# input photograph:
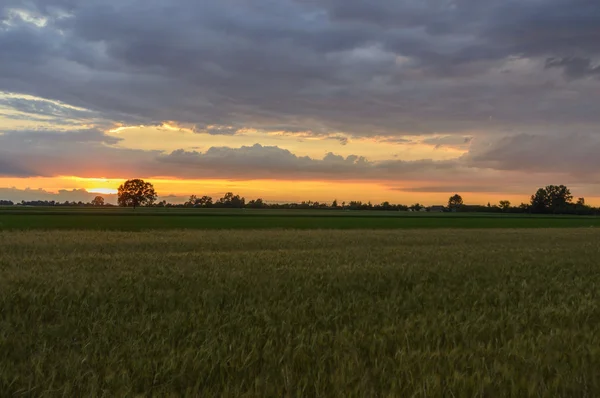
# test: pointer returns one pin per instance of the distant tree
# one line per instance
(256, 204)
(540, 203)
(6, 203)
(416, 207)
(231, 200)
(355, 205)
(581, 202)
(334, 204)
(552, 199)
(136, 192)
(205, 201)
(192, 201)
(559, 195)
(385, 206)
(455, 201)
(505, 205)
(98, 201)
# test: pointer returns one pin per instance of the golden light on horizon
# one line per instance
(177, 190)
(105, 191)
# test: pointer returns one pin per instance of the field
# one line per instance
(120, 219)
(272, 313)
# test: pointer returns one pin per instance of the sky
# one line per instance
(290, 100)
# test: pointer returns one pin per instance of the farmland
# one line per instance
(122, 219)
(442, 312)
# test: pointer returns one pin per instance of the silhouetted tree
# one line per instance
(385, 206)
(504, 205)
(136, 193)
(416, 207)
(552, 199)
(193, 200)
(205, 201)
(256, 204)
(540, 202)
(231, 200)
(455, 201)
(98, 201)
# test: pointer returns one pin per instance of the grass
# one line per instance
(300, 313)
(154, 219)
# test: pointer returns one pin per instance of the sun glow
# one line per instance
(106, 191)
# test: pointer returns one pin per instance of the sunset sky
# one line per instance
(289, 100)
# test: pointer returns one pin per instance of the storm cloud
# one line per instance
(514, 83)
(360, 67)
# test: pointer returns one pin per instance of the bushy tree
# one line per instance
(231, 200)
(504, 205)
(416, 207)
(205, 201)
(455, 201)
(551, 199)
(136, 192)
(191, 201)
(256, 204)
(98, 201)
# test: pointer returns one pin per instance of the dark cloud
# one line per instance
(574, 67)
(8, 169)
(575, 154)
(342, 140)
(262, 162)
(376, 68)
(520, 77)
(453, 141)
(216, 130)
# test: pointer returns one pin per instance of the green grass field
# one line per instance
(259, 313)
(156, 218)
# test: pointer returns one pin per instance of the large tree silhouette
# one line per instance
(455, 201)
(136, 192)
(552, 199)
(98, 201)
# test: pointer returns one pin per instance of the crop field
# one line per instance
(320, 313)
(143, 219)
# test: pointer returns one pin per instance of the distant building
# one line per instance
(437, 209)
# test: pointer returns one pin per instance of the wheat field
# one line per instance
(404, 313)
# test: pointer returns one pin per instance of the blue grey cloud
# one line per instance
(521, 77)
(367, 68)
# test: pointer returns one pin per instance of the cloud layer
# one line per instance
(510, 164)
(519, 79)
(353, 66)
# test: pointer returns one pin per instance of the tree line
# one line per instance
(552, 199)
